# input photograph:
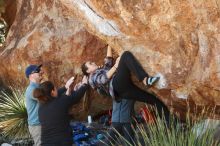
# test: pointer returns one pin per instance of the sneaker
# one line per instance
(152, 80)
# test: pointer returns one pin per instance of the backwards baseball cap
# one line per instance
(32, 69)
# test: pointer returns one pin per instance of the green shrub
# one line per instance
(191, 133)
(13, 115)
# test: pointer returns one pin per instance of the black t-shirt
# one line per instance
(55, 120)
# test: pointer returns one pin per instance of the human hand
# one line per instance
(85, 80)
(77, 86)
(109, 51)
(69, 82)
(101, 66)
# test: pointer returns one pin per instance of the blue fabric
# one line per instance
(80, 136)
(84, 136)
(32, 105)
(79, 127)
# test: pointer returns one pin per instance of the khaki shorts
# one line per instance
(35, 132)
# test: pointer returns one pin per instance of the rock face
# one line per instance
(10, 11)
(46, 32)
(176, 40)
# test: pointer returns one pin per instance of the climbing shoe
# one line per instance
(151, 80)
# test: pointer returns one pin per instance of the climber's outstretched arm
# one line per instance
(109, 51)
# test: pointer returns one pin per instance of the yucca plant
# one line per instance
(174, 134)
(13, 115)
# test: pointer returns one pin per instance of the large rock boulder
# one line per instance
(176, 40)
(46, 32)
(10, 9)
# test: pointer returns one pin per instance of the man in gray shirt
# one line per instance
(34, 74)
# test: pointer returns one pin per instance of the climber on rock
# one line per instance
(114, 80)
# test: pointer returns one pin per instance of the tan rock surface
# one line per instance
(177, 40)
(46, 32)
